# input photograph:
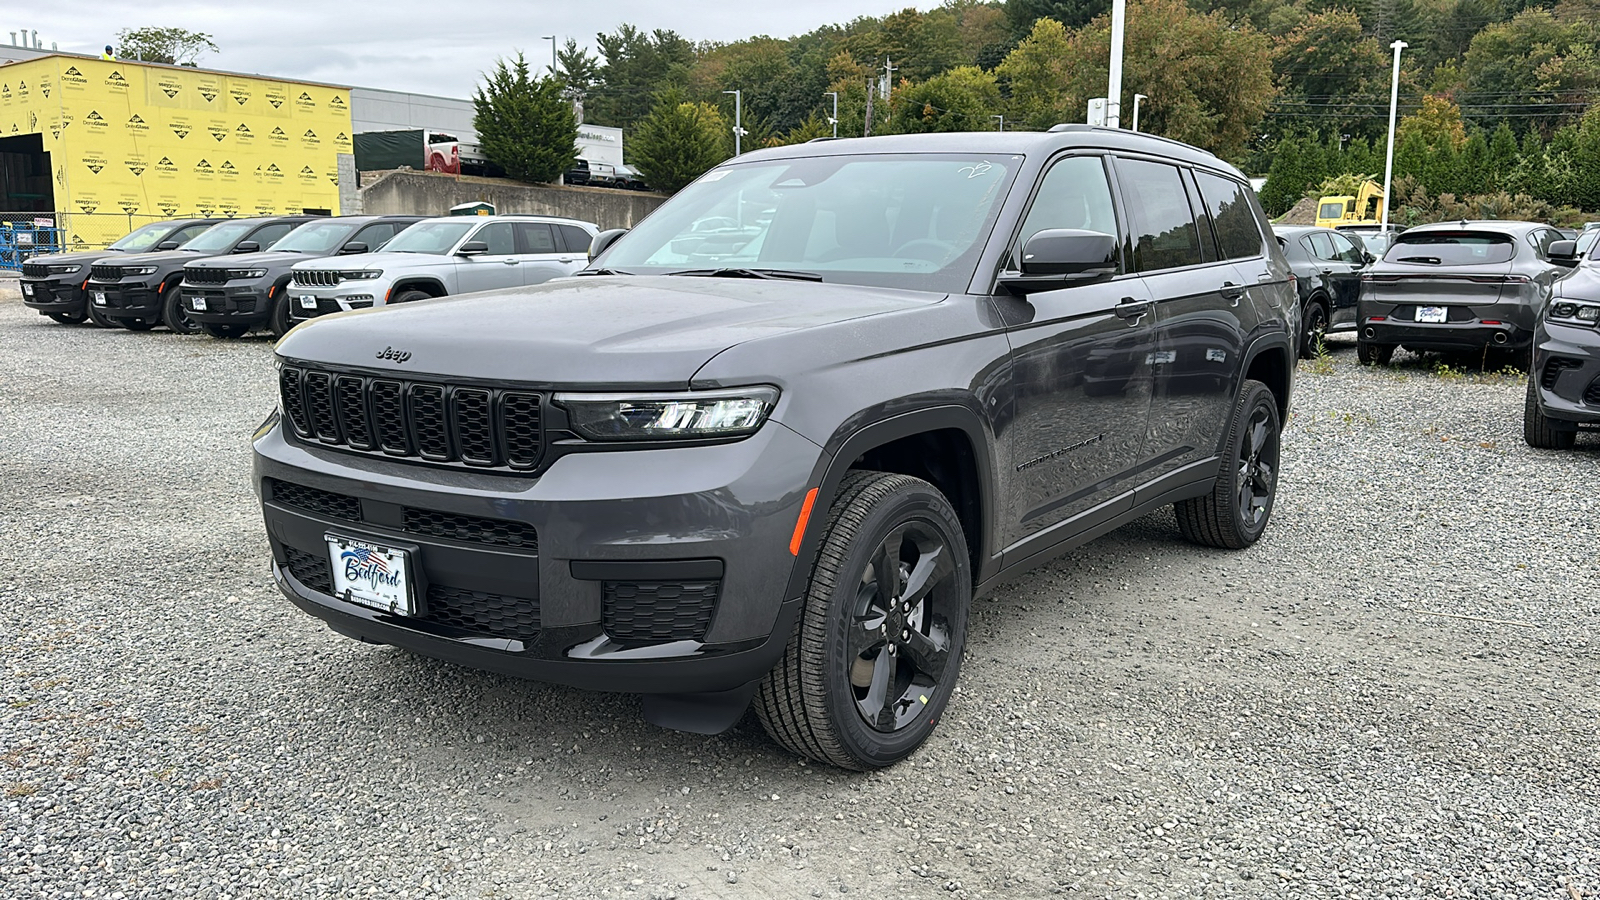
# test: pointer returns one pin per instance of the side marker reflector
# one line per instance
(800, 525)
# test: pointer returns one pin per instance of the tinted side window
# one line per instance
(1073, 194)
(536, 237)
(1164, 231)
(269, 235)
(574, 239)
(1345, 250)
(373, 235)
(499, 238)
(1237, 232)
(186, 234)
(1320, 246)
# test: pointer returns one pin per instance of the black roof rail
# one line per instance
(1101, 129)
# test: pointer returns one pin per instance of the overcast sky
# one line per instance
(427, 46)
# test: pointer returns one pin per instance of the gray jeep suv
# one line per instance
(774, 441)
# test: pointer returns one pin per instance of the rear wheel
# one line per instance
(1538, 430)
(1374, 354)
(224, 331)
(66, 318)
(1236, 511)
(1313, 325)
(173, 313)
(279, 322)
(874, 658)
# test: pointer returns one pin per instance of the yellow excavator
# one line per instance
(1364, 208)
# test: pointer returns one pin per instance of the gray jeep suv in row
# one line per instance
(774, 441)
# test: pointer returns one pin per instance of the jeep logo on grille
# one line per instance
(398, 356)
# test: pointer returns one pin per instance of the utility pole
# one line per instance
(1394, 102)
(738, 112)
(868, 131)
(834, 119)
(888, 86)
(1136, 99)
(1119, 18)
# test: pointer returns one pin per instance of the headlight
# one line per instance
(363, 275)
(62, 270)
(246, 273)
(655, 417)
(139, 270)
(1581, 313)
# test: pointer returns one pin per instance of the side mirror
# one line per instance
(473, 248)
(353, 247)
(1564, 253)
(247, 247)
(168, 245)
(1367, 258)
(603, 241)
(1056, 257)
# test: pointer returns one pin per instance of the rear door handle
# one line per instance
(511, 262)
(1231, 291)
(1133, 309)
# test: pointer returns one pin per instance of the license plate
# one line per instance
(370, 574)
(198, 304)
(308, 302)
(27, 290)
(99, 298)
(1432, 314)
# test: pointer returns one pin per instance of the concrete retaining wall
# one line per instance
(422, 194)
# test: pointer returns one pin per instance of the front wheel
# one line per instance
(224, 331)
(66, 318)
(874, 658)
(173, 313)
(139, 324)
(1235, 513)
(411, 296)
(279, 322)
(96, 317)
(1537, 429)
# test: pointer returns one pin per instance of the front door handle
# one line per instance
(1133, 309)
(511, 262)
(1231, 291)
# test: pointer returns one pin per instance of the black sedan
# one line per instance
(1327, 267)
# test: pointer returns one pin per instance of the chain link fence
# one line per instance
(28, 234)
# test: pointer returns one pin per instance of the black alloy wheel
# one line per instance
(1313, 327)
(1235, 513)
(173, 313)
(279, 322)
(1374, 354)
(224, 331)
(875, 656)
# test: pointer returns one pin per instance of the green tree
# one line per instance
(174, 46)
(1533, 71)
(1332, 73)
(1037, 72)
(637, 66)
(678, 141)
(1023, 14)
(810, 128)
(577, 68)
(524, 124)
(961, 99)
(1296, 166)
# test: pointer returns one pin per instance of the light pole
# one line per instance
(552, 39)
(1119, 20)
(1000, 122)
(738, 132)
(1136, 99)
(834, 119)
(1394, 103)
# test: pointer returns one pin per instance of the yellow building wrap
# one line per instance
(142, 141)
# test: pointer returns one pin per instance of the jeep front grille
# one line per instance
(438, 423)
(318, 278)
(35, 270)
(197, 275)
(106, 273)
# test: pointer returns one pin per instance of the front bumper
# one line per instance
(60, 294)
(310, 302)
(1566, 364)
(653, 571)
(228, 304)
(127, 299)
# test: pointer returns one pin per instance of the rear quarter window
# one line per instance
(1452, 248)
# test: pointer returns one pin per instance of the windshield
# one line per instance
(1586, 242)
(316, 237)
(902, 220)
(429, 237)
(145, 238)
(219, 237)
(1451, 248)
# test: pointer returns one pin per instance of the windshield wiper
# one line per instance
(751, 273)
(1431, 260)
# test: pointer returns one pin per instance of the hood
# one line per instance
(592, 332)
(165, 257)
(379, 260)
(1582, 283)
(263, 259)
(80, 257)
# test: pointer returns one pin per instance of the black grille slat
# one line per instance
(205, 276)
(653, 612)
(1591, 394)
(350, 393)
(474, 426)
(105, 273)
(473, 529)
(35, 270)
(319, 407)
(428, 425)
(310, 570)
(484, 613)
(316, 500)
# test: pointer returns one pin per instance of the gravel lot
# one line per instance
(1326, 714)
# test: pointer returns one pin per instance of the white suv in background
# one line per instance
(441, 257)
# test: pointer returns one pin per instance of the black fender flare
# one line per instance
(429, 285)
(1281, 340)
(852, 440)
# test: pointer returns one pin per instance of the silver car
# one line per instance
(443, 257)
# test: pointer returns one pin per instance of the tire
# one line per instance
(279, 322)
(411, 295)
(1537, 429)
(224, 331)
(1313, 325)
(816, 701)
(97, 318)
(174, 315)
(1236, 511)
(138, 324)
(68, 318)
(1374, 354)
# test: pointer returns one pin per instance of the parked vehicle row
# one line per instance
(226, 277)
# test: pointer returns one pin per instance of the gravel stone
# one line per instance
(1393, 694)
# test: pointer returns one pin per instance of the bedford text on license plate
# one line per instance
(370, 574)
(1432, 314)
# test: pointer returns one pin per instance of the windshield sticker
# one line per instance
(715, 176)
(976, 169)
